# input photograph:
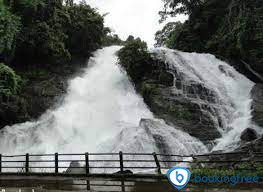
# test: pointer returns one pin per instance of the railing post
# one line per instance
(157, 163)
(0, 163)
(27, 163)
(88, 185)
(122, 185)
(87, 163)
(56, 163)
(121, 161)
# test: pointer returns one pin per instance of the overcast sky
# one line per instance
(132, 17)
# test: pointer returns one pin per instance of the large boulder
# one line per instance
(75, 168)
(249, 135)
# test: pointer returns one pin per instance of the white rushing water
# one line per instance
(231, 89)
(103, 113)
(100, 105)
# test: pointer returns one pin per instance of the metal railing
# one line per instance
(109, 163)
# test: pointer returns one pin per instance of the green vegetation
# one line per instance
(9, 28)
(85, 30)
(10, 83)
(244, 169)
(168, 34)
(42, 43)
(44, 34)
(111, 39)
(136, 60)
(231, 29)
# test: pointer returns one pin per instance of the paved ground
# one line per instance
(62, 184)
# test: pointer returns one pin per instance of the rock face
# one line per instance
(40, 93)
(257, 105)
(249, 135)
(254, 146)
(188, 113)
(154, 136)
(183, 103)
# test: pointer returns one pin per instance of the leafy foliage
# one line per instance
(167, 35)
(50, 31)
(244, 169)
(230, 29)
(44, 33)
(174, 7)
(134, 57)
(85, 30)
(112, 39)
(9, 28)
(9, 82)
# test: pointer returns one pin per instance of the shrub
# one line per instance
(136, 60)
(10, 83)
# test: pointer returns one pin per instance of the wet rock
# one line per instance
(257, 104)
(253, 146)
(40, 93)
(175, 108)
(225, 71)
(166, 78)
(249, 135)
(75, 168)
(124, 172)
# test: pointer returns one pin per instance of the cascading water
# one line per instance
(103, 113)
(100, 105)
(231, 91)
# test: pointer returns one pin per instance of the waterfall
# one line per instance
(100, 105)
(103, 112)
(229, 91)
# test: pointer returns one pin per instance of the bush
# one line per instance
(136, 60)
(10, 83)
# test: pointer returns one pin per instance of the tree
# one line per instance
(69, 2)
(174, 7)
(50, 31)
(42, 39)
(85, 30)
(171, 29)
(112, 39)
(136, 59)
(9, 28)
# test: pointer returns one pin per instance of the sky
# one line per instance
(132, 17)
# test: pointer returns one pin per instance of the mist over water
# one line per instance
(103, 113)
